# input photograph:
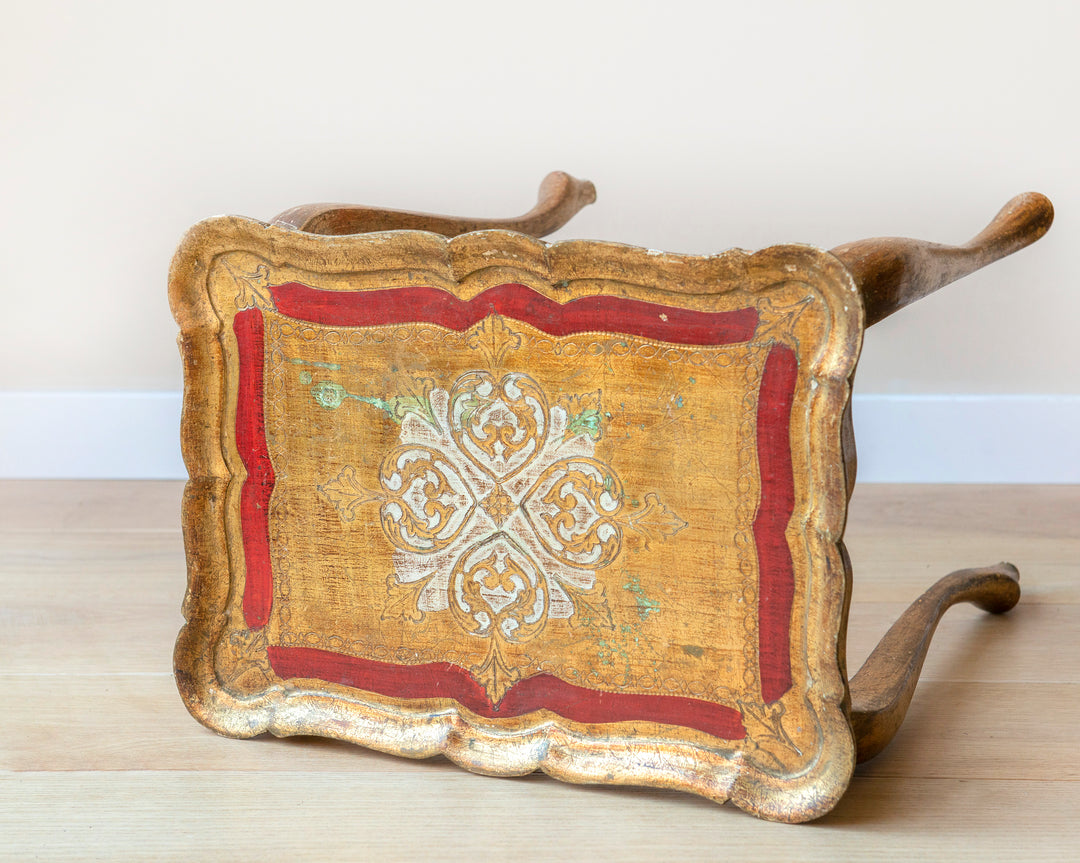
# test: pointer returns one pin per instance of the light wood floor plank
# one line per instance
(1021, 511)
(99, 759)
(48, 505)
(1032, 643)
(895, 569)
(953, 730)
(80, 603)
(134, 582)
(456, 816)
(985, 731)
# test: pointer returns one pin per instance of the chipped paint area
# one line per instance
(645, 604)
(622, 646)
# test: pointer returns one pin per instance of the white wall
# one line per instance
(704, 125)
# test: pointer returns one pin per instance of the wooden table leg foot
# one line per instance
(882, 690)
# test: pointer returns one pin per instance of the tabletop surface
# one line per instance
(100, 760)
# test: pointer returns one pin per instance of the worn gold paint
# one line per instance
(665, 431)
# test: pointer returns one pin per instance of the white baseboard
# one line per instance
(901, 438)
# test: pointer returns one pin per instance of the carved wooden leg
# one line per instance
(561, 196)
(892, 272)
(882, 690)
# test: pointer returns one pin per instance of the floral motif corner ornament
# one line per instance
(241, 662)
(499, 511)
(253, 289)
(764, 724)
(777, 321)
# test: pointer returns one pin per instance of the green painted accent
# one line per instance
(402, 405)
(296, 361)
(381, 404)
(470, 405)
(332, 395)
(693, 381)
(587, 422)
(605, 654)
(305, 378)
(616, 645)
(693, 650)
(645, 605)
(678, 401)
(629, 640)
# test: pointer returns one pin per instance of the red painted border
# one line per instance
(613, 314)
(251, 444)
(540, 692)
(776, 572)
(587, 314)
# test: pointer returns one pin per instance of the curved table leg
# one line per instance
(560, 197)
(882, 690)
(891, 272)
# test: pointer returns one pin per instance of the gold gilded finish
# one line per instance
(577, 532)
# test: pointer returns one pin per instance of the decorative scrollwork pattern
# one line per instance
(495, 501)
(426, 503)
(573, 507)
(500, 425)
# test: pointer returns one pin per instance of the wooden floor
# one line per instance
(100, 760)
